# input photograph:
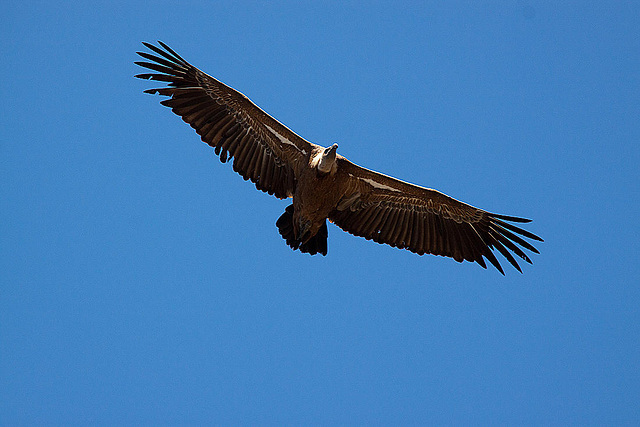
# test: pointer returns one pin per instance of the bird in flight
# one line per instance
(325, 185)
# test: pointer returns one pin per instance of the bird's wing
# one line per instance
(263, 149)
(422, 220)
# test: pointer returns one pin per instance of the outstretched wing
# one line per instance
(263, 149)
(425, 221)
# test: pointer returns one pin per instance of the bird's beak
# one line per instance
(332, 151)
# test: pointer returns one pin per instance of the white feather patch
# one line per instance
(284, 140)
(378, 185)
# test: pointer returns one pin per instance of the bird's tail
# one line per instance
(317, 244)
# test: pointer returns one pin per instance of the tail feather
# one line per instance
(317, 244)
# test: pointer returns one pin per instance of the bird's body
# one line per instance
(323, 184)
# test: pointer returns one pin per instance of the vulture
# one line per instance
(325, 185)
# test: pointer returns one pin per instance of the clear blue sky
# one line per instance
(144, 282)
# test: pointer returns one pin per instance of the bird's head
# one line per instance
(327, 159)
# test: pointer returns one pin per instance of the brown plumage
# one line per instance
(325, 185)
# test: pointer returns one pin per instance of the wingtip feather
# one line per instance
(493, 260)
(510, 218)
(171, 51)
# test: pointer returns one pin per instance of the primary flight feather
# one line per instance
(323, 184)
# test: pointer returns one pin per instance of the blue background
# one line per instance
(144, 282)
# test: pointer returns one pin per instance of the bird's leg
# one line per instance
(304, 228)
